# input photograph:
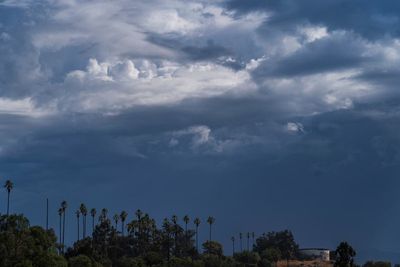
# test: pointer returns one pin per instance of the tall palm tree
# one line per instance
(197, 223)
(60, 212)
(174, 220)
(64, 206)
(116, 219)
(241, 244)
(78, 213)
(210, 221)
(123, 217)
(8, 186)
(103, 214)
(253, 237)
(139, 215)
(93, 214)
(83, 211)
(233, 245)
(186, 219)
(248, 241)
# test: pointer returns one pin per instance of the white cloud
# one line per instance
(114, 86)
(294, 127)
(23, 107)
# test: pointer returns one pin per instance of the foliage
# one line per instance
(282, 241)
(80, 261)
(248, 258)
(344, 255)
(22, 245)
(377, 264)
(213, 248)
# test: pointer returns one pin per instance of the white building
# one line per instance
(315, 253)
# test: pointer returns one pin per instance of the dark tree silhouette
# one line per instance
(8, 186)
(60, 212)
(248, 241)
(123, 217)
(64, 206)
(116, 219)
(233, 245)
(83, 211)
(78, 213)
(241, 244)
(93, 214)
(344, 255)
(197, 223)
(210, 221)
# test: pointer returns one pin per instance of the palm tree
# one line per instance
(210, 221)
(64, 206)
(123, 216)
(83, 211)
(78, 213)
(197, 223)
(103, 215)
(174, 220)
(248, 241)
(8, 186)
(93, 214)
(116, 219)
(233, 245)
(241, 246)
(253, 236)
(60, 212)
(186, 220)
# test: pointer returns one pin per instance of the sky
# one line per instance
(265, 114)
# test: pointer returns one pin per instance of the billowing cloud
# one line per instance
(246, 96)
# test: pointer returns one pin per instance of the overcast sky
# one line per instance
(265, 114)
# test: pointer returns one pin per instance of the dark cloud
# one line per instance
(336, 52)
(370, 19)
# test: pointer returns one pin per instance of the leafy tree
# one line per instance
(377, 264)
(344, 255)
(23, 245)
(271, 254)
(213, 247)
(282, 241)
(247, 258)
(80, 261)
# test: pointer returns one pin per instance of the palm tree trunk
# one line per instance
(92, 225)
(77, 219)
(83, 226)
(8, 203)
(210, 232)
(47, 214)
(197, 239)
(60, 236)
(63, 235)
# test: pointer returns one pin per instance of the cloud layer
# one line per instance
(230, 99)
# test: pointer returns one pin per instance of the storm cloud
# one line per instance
(264, 114)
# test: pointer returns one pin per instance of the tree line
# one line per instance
(113, 241)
